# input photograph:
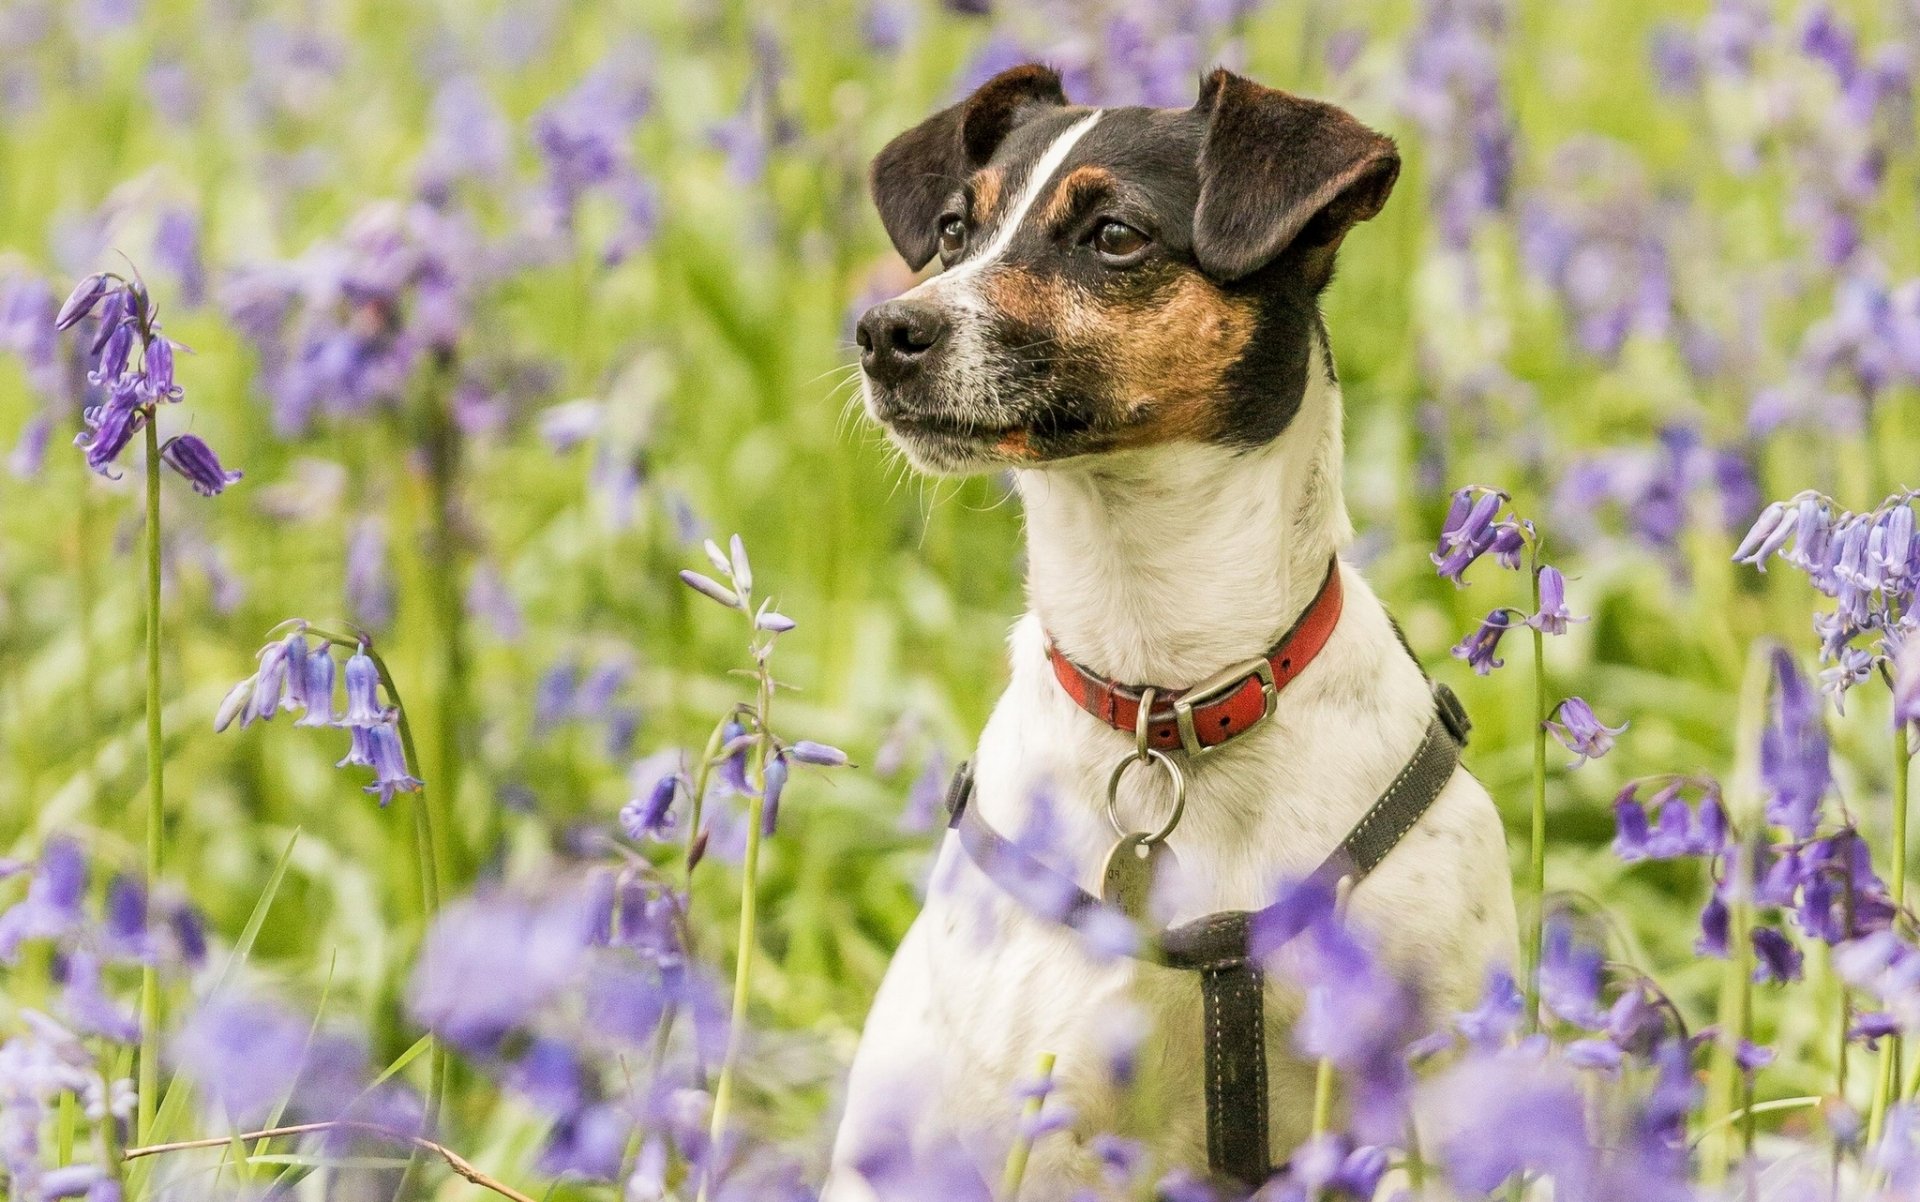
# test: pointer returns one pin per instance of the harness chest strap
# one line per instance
(1221, 947)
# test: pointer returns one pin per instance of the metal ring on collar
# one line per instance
(1179, 779)
(1142, 721)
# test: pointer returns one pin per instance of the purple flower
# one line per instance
(389, 763)
(774, 783)
(1479, 648)
(176, 247)
(1580, 732)
(591, 1143)
(1554, 615)
(193, 458)
(359, 748)
(1715, 929)
(84, 997)
(1570, 977)
(246, 1057)
(363, 693)
(651, 815)
(709, 587)
(369, 590)
(1769, 533)
(809, 752)
(313, 689)
(159, 384)
(110, 427)
(1906, 682)
(1793, 751)
(527, 951)
(1776, 958)
(1468, 531)
(1507, 1113)
(86, 294)
(52, 906)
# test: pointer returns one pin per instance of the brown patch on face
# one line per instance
(1155, 363)
(986, 195)
(1016, 444)
(1068, 193)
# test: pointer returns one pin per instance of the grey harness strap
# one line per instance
(1221, 947)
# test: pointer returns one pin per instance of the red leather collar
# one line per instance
(1219, 708)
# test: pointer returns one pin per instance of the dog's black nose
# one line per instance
(895, 337)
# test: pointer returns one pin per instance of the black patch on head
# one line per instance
(913, 177)
(1281, 172)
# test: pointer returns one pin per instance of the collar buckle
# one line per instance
(1221, 685)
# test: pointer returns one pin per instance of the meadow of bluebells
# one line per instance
(525, 867)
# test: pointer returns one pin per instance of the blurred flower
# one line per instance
(527, 949)
(1793, 751)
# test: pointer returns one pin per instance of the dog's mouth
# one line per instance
(940, 427)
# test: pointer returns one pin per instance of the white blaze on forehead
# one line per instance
(1043, 171)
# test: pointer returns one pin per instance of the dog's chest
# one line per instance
(1008, 984)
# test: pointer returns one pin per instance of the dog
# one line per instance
(1127, 321)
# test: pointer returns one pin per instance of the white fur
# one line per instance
(1162, 566)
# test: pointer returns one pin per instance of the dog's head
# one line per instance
(1113, 278)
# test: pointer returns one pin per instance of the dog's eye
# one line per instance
(953, 236)
(1118, 242)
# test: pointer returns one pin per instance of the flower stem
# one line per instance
(427, 851)
(743, 965)
(1537, 848)
(701, 775)
(1732, 1017)
(1895, 1047)
(1022, 1149)
(149, 1084)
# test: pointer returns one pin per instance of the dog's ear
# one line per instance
(1278, 170)
(917, 171)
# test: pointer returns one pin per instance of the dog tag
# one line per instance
(1126, 883)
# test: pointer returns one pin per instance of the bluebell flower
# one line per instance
(313, 689)
(1507, 1113)
(53, 905)
(86, 294)
(363, 692)
(269, 681)
(110, 427)
(527, 949)
(1571, 974)
(251, 1057)
(1580, 732)
(125, 930)
(591, 1143)
(1554, 615)
(1776, 958)
(389, 764)
(809, 752)
(193, 458)
(84, 999)
(773, 784)
(1715, 929)
(650, 815)
(1468, 531)
(359, 748)
(1479, 648)
(1794, 763)
(369, 585)
(709, 587)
